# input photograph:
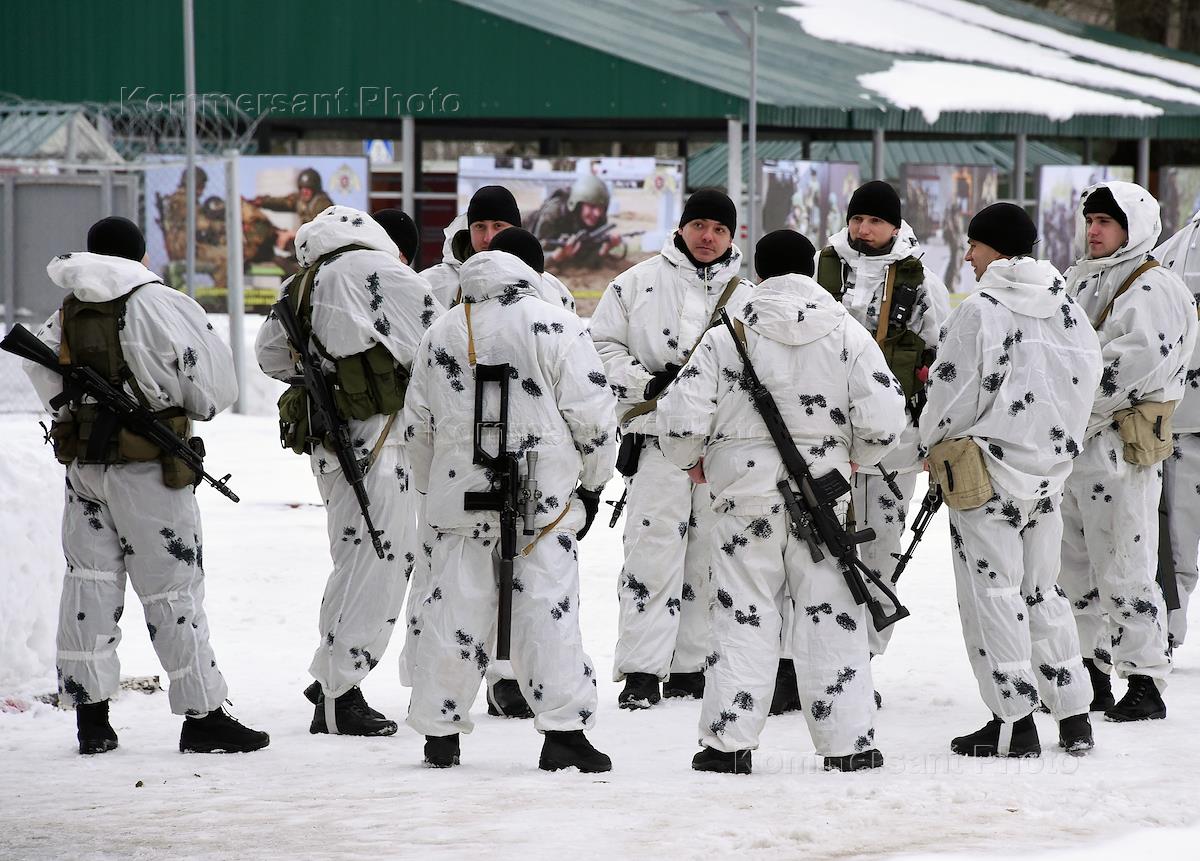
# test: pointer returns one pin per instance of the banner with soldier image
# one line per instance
(939, 201)
(809, 197)
(1179, 194)
(1059, 188)
(595, 217)
(277, 195)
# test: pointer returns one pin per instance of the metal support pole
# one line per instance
(752, 222)
(877, 154)
(408, 165)
(106, 194)
(733, 184)
(1143, 163)
(1089, 151)
(189, 99)
(9, 246)
(235, 295)
(1017, 184)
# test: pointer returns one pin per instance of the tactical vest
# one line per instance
(91, 337)
(364, 384)
(902, 348)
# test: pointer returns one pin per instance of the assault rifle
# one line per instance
(929, 506)
(509, 495)
(812, 510)
(116, 407)
(628, 456)
(325, 423)
(588, 238)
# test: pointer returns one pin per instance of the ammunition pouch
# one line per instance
(64, 437)
(1145, 429)
(958, 467)
(294, 417)
(368, 384)
(91, 436)
(903, 351)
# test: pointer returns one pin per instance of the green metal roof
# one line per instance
(710, 166)
(562, 61)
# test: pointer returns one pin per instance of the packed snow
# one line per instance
(328, 797)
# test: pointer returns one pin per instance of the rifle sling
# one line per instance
(545, 530)
(652, 404)
(1125, 285)
(885, 307)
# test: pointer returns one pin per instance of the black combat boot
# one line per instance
(95, 733)
(986, 741)
(1075, 734)
(709, 759)
(1102, 695)
(684, 685)
(351, 714)
(1141, 702)
(441, 751)
(787, 693)
(219, 732)
(505, 699)
(860, 761)
(571, 749)
(641, 691)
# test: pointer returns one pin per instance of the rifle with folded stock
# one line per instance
(117, 408)
(811, 502)
(929, 506)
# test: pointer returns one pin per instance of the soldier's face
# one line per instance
(706, 239)
(590, 214)
(980, 256)
(872, 230)
(1104, 235)
(306, 194)
(483, 232)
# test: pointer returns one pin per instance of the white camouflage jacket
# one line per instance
(1180, 255)
(826, 374)
(359, 299)
(1150, 334)
(1017, 370)
(560, 404)
(653, 314)
(167, 341)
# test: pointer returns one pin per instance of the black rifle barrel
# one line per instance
(80, 380)
(929, 506)
(326, 419)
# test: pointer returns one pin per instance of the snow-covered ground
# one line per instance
(327, 797)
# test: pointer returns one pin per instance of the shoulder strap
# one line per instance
(301, 297)
(470, 335)
(1125, 285)
(885, 306)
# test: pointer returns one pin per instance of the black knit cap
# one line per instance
(710, 203)
(1005, 227)
(493, 203)
(520, 244)
(116, 237)
(402, 230)
(784, 252)
(1102, 202)
(875, 198)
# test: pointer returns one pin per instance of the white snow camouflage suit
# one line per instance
(999, 380)
(1110, 507)
(561, 407)
(875, 505)
(1181, 471)
(120, 520)
(650, 315)
(359, 298)
(842, 404)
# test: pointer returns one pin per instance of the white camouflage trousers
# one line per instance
(664, 591)
(1110, 557)
(1017, 624)
(875, 506)
(121, 521)
(754, 560)
(364, 593)
(1181, 483)
(450, 644)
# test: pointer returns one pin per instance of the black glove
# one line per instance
(660, 380)
(591, 504)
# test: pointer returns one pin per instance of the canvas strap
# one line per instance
(1125, 285)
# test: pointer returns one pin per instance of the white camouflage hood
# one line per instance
(97, 277)
(1141, 211)
(1029, 287)
(337, 227)
(791, 309)
(906, 245)
(452, 230)
(490, 274)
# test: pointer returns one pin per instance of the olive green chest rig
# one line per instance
(902, 348)
(364, 384)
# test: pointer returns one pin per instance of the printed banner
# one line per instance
(1059, 188)
(939, 201)
(809, 197)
